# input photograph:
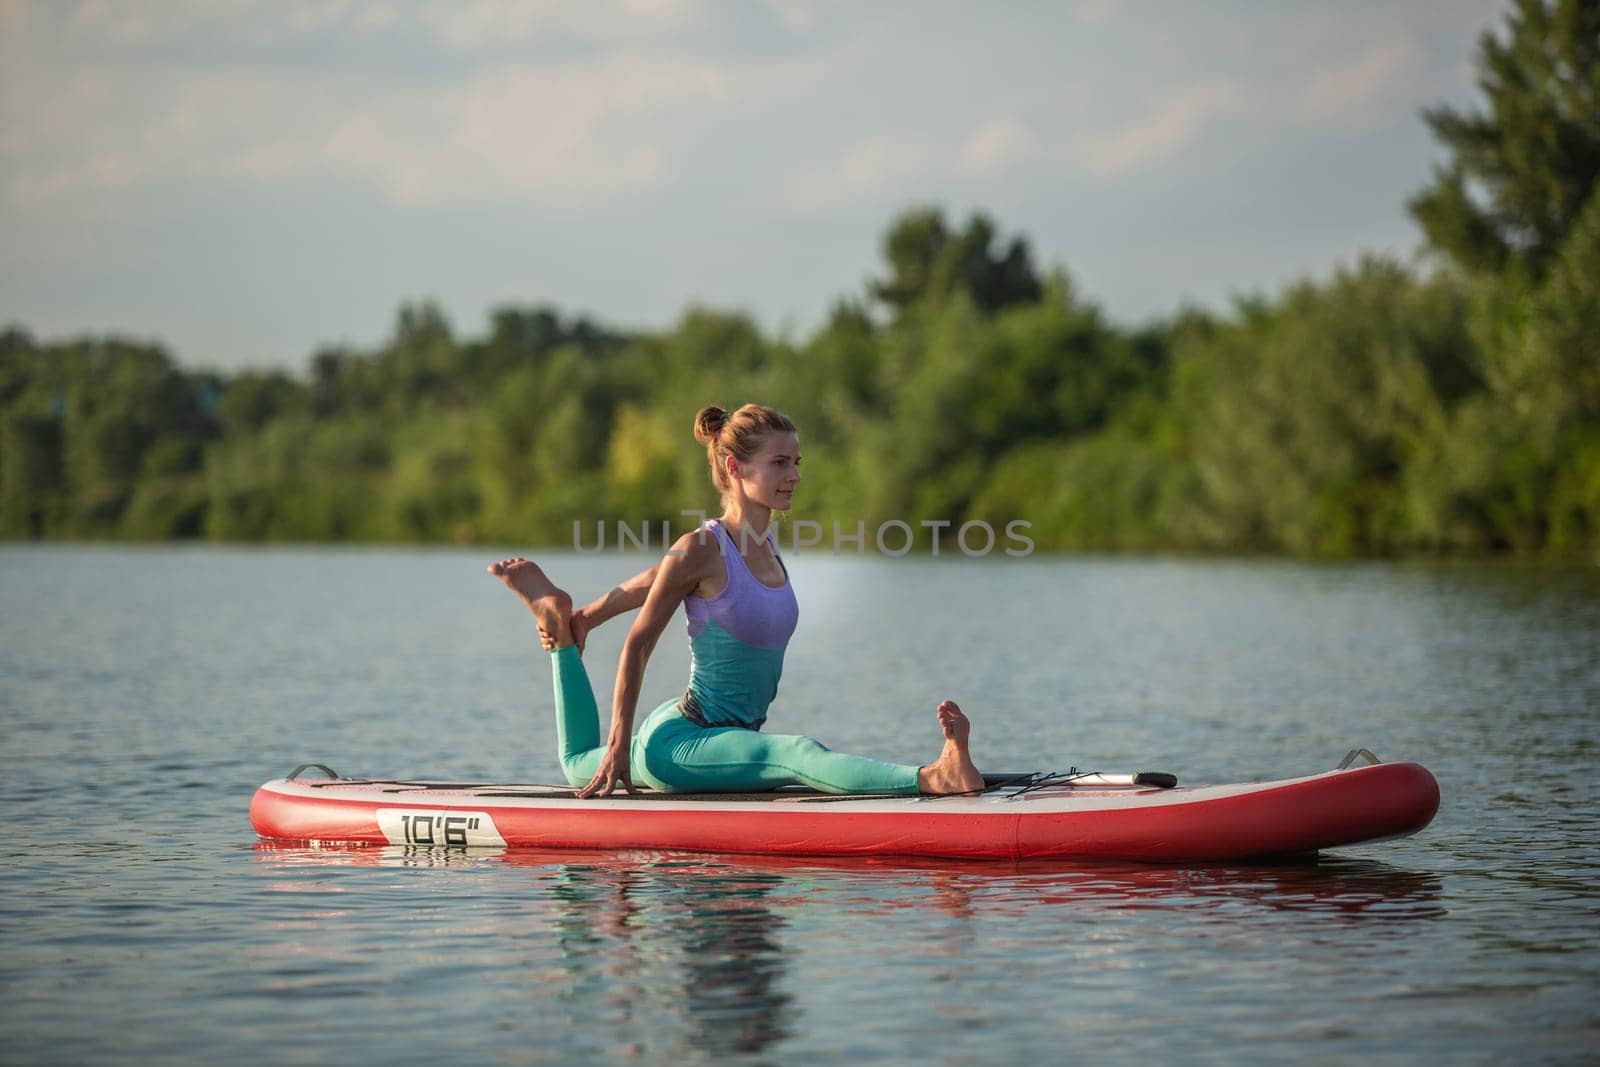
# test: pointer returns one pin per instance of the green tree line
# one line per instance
(1386, 409)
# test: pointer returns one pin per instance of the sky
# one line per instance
(246, 182)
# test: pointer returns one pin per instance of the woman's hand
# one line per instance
(580, 632)
(613, 770)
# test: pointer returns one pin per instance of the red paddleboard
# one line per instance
(1029, 818)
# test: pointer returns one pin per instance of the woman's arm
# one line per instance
(629, 595)
(625, 597)
(691, 562)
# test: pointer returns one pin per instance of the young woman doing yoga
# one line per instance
(741, 610)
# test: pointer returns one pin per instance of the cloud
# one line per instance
(874, 167)
(509, 132)
(797, 16)
(573, 129)
(88, 132)
(997, 145)
(14, 18)
(480, 23)
(1352, 92)
(493, 25)
(877, 161)
(308, 18)
(106, 170)
(656, 9)
(129, 24)
(1096, 13)
(1156, 139)
(1349, 94)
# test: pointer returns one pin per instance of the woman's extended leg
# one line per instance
(684, 758)
(577, 714)
(680, 756)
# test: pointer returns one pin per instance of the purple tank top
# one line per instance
(747, 609)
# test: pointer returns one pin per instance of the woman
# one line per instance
(742, 611)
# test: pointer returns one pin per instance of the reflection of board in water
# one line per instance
(1019, 820)
(1331, 886)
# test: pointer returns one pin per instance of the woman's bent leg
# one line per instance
(682, 757)
(577, 717)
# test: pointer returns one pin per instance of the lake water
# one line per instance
(146, 692)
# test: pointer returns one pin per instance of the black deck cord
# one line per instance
(1037, 780)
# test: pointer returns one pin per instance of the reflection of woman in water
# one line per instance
(679, 948)
(741, 610)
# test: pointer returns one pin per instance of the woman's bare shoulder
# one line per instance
(697, 548)
(697, 555)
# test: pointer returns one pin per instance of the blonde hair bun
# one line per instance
(708, 423)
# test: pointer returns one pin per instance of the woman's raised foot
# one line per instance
(551, 606)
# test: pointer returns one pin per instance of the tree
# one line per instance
(1305, 412)
(30, 473)
(927, 261)
(1522, 171)
(255, 398)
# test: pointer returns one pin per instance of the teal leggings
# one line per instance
(672, 754)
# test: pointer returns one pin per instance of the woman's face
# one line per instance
(769, 476)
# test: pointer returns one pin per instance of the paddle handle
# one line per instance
(1155, 779)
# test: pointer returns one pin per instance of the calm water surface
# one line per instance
(145, 693)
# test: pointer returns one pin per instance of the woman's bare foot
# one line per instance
(953, 771)
(551, 606)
